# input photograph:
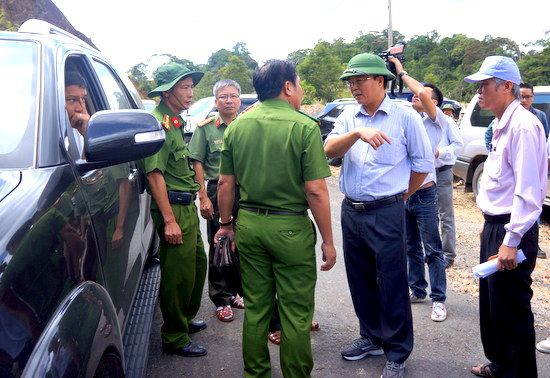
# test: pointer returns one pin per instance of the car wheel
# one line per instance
(476, 178)
(109, 366)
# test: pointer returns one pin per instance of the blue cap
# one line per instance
(501, 67)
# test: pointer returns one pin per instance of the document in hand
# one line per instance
(489, 267)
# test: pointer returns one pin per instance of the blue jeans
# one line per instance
(422, 231)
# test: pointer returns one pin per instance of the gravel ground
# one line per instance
(468, 224)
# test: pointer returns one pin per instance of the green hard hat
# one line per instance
(366, 64)
(167, 75)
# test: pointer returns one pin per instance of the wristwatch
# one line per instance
(225, 223)
(402, 73)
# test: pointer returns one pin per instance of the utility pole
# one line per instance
(390, 30)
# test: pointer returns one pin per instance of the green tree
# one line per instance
(235, 68)
(242, 52)
(5, 23)
(535, 67)
(218, 59)
(138, 76)
(322, 70)
(238, 70)
(297, 56)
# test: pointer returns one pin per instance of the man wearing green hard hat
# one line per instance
(386, 157)
(171, 182)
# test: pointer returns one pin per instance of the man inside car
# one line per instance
(75, 100)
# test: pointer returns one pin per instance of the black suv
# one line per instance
(77, 296)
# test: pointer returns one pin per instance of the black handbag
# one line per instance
(223, 255)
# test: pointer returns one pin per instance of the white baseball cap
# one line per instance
(501, 67)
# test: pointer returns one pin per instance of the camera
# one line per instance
(397, 51)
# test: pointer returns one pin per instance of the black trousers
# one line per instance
(223, 283)
(506, 320)
(376, 267)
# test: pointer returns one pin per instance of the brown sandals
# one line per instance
(275, 336)
(483, 370)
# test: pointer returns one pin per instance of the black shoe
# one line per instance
(541, 254)
(196, 326)
(189, 350)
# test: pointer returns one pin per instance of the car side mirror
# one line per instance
(119, 136)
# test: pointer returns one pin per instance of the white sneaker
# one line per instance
(439, 312)
(544, 346)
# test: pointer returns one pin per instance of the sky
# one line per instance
(130, 32)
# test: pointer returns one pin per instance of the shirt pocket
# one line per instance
(388, 154)
(215, 145)
(493, 166)
(180, 166)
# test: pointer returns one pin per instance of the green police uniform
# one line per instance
(183, 266)
(205, 146)
(272, 150)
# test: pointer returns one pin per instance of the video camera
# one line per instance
(397, 51)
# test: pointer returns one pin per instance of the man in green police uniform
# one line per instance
(172, 185)
(224, 284)
(276, 155)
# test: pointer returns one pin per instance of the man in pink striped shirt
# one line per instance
(512, 189)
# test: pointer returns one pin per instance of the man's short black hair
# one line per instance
(527, 85)
(269, 79)
(437, 92)
(73, 77)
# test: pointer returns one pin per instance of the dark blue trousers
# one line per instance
(505, 316)
(376, 266)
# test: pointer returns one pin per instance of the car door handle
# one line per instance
(132, 176)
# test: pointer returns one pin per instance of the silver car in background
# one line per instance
(473, 125)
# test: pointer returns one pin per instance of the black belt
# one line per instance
(176, 197)
(501, 218)
(259, 211)
(370, 205)
(444, 168)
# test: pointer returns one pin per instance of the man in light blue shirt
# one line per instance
(387, 157)
(423, 240)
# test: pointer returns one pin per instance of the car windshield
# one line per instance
(18, 73)
(203, 106)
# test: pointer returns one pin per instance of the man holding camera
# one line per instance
(423, 240)
(387, 157)
(171, 182)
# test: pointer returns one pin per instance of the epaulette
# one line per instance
(310, 117)
(206, 121)
(250, 107)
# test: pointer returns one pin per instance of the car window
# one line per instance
(113, 88)
(542, 102)
(203, 106)
(19, 77)
(336, 111)
(481, 117)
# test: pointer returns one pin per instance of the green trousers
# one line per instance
(277, 255)
(183, 270)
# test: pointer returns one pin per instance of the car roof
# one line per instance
(45, 32)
